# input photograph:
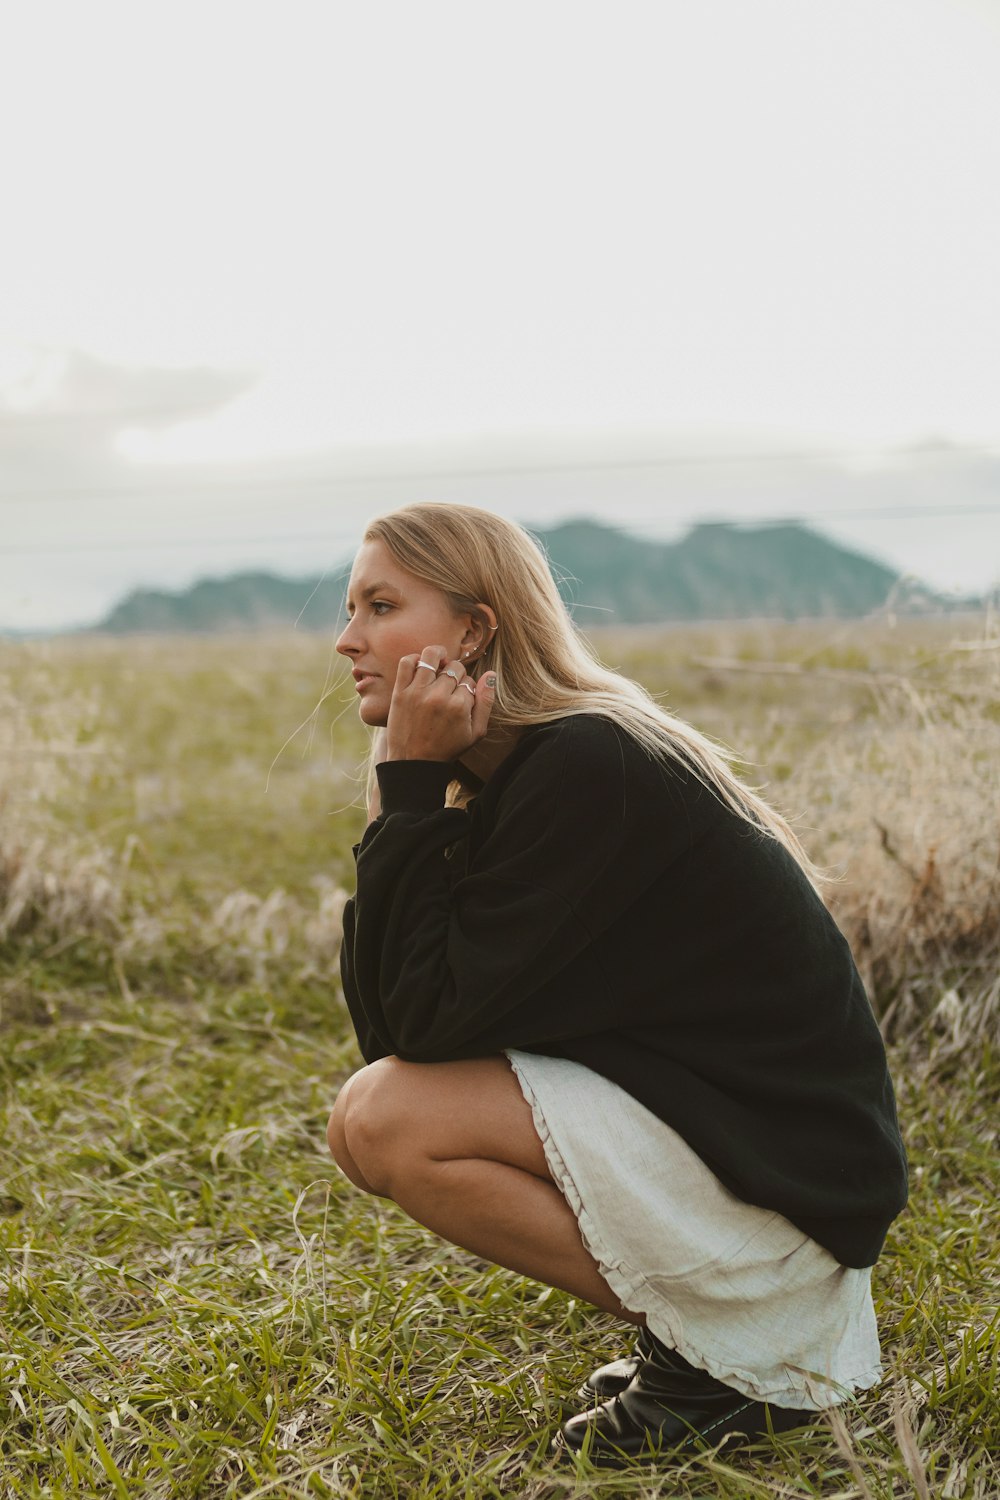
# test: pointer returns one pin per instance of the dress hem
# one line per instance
(631, 1288)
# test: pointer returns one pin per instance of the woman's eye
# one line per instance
(379, 606)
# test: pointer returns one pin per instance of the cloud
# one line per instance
(121, 394)
(58, 406)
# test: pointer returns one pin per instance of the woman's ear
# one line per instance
(490, 619)
(479, 635)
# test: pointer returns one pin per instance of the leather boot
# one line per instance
(612, 1378)
(667, 1408)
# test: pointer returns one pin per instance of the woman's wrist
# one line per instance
(413, 785)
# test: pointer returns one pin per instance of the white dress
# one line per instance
(736, 1289)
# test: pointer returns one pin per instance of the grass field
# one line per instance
(193, 1301)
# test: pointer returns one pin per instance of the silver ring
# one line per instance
(427, 666)
(449, 673)
(469, 688)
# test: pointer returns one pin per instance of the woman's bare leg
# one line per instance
(336, 1140)
(455, 1146)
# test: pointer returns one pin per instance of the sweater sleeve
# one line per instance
(443, 948)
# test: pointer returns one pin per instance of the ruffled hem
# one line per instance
(634, 1291)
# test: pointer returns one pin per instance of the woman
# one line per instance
(614, 1041)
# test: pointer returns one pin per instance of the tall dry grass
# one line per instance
(121, 785)
(905, 797)
(193, 1303)
(117, 788)
(55, 878)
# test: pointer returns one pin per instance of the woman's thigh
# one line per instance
(393, 1110)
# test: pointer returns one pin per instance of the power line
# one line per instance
(194, 486)
(161, 544)
(633, 524)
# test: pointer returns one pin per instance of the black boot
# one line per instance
(612, 1378)
(670, 1406)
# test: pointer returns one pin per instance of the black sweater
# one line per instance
(597, 904)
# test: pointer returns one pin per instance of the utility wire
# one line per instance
(192, 485)
(637, 526)
(175, 544)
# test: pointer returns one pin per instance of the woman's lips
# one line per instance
(364, 679)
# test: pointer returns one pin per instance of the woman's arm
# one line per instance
(447, 951)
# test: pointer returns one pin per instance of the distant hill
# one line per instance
(718, 571)
(254, 601)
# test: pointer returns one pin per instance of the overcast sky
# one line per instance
(271, 268)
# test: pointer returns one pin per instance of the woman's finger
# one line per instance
(431, 657)
(421, 669)
(406, 669)
(486, 692)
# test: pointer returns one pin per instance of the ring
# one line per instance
(428, 666)
(469, 688)
(449, 673)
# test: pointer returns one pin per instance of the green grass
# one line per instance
(193, 1301)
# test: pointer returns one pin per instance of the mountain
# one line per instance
(243, 601)
(718, 571)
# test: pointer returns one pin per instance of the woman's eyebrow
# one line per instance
(372, 589)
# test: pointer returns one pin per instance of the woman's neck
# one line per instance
(484, 758)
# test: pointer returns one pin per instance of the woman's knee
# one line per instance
(336, 1134)
(370, 1128)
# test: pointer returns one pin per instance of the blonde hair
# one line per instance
(545, 669)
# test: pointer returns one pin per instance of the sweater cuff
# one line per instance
(416, 786)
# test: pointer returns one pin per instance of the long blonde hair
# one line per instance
(545, 668)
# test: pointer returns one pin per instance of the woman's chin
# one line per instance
(372, 714)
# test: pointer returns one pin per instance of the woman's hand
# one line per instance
(437, 711)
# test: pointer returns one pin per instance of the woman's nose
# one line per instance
(345, 642)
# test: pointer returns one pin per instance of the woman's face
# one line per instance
(392, 614)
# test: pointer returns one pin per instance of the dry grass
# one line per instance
(906, 802)
(52, 754)
(194, 1303)
(152, 813)
(883, 743)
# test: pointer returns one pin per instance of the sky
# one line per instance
(270, 269)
